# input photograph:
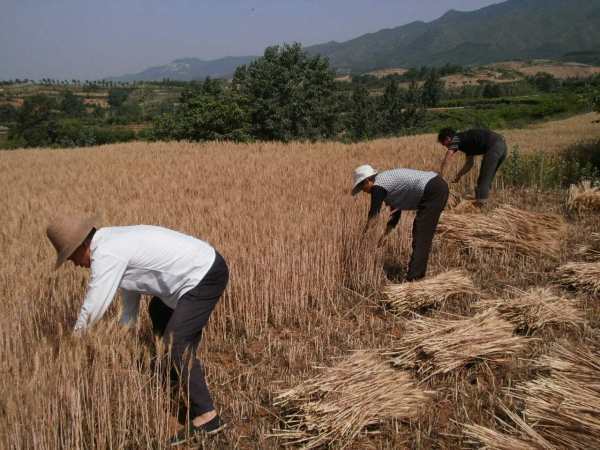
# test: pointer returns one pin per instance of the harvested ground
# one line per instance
(556, 69)
(503, 72)
(385, 72)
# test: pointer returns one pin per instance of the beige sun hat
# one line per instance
(67, 232)
(361, 173)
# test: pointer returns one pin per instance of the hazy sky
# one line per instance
(87, 39)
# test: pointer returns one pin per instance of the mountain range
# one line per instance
(514, 29)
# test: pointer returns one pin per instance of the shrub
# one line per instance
(204, 116)
(552, 171)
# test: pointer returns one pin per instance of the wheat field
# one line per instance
(304, 290)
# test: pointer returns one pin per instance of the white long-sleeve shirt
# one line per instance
(141, 259)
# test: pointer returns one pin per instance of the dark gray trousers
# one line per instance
(490, 163)
(182, 329)
(428, 214)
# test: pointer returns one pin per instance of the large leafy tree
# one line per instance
(116, 97)
(72, 105)
(362, 118)
(400, 109)
(209, 111)
(392, 108)
(433, 89)
(289, 95)
(8, 114)
(36, 121)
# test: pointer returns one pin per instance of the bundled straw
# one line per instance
(564, 407)
(454, 198)
(527, 233)
(494, 439)
(584, 276)
(564, 411)
(418, 295)
(339, 403)
(459, 205)
(466, 207)
(591, 250)
(536, 309)
(584, 197)
(435, 346)
(580, 365)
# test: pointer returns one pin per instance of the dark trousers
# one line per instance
(490, 163)
(182, 329)
(428, 214)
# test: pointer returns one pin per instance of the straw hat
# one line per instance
(67, 232)
(360, 174)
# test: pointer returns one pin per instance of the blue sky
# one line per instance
(87, 39)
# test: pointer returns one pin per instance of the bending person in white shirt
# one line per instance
(185, 275)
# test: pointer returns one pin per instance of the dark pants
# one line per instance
(182, 329)
(490, 163)
(428, 214)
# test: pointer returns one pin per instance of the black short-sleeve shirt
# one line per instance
(474, 142)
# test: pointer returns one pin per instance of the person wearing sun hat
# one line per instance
(185, 276)
(405, 189)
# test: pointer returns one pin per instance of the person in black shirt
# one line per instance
(472, 143)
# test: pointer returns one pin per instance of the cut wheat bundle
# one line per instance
(584, 197)
(434, 291)
(454, 199)
(517, 436)
(536, 309)
(459, 205)
(504, 228)
(433, 346)
(335, 406)
(564, 411)
(466, 207)
(583, 276)
(497, 440)
(587, 252)
(580, 364)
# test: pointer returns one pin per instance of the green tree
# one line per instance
(433, 89)
(362, 119)
(289, 95)
(36, 121)
(400, 109)
(492, 90)
(72, 105)
(414, 112)
(211, 112)
(8, 114)
(392, 108)
(545, 82)
(116, 97)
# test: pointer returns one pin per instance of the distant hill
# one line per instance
(515, 29)
(187, 69)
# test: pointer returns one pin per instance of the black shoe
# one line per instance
(192, 432)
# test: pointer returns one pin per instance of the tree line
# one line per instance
(66, 121)
(284, 95)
